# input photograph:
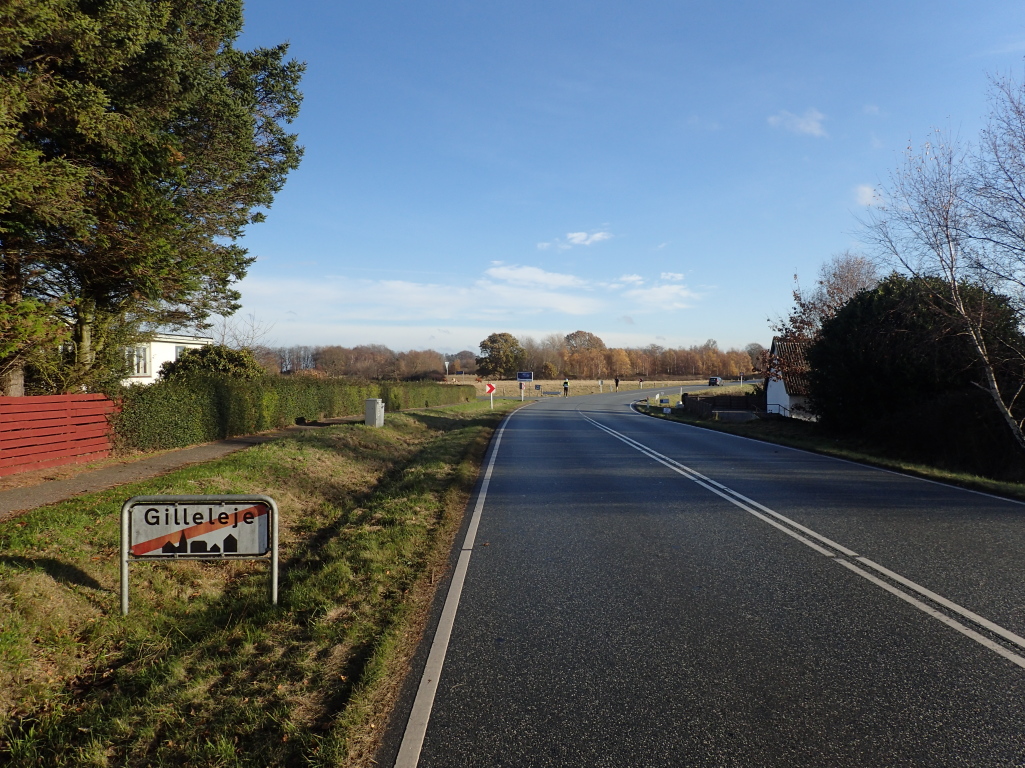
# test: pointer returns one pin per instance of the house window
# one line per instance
(178, 351)
(138, 360)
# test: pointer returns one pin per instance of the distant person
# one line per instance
(617, 383)
(565, 387)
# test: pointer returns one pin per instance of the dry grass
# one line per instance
(576, 386)
(204, 671)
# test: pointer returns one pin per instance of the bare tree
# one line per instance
(839, 279)
(930, 225)
(240, 332)
(998, 203)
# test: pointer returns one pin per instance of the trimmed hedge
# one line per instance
(176, 414)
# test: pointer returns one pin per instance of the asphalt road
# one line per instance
(643, 593)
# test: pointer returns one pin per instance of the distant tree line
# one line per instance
(365, 361)
(580, 355)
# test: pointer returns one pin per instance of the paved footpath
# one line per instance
(17, 500)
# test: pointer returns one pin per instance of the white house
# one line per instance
(786, 387)
(146, 357)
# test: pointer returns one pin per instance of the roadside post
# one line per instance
(490, 390)
(222, 527)
(601, 383)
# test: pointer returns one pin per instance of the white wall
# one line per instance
(162, 348)
(776, 398)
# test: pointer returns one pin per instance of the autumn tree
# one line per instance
(500, 355)
(617, 362)
(420, 364)
(581, 340)
(464, 361)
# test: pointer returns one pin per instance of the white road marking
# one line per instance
(995, 647)
(974, 617)
(416, 726)
(750, 506)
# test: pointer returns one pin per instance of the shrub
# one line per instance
(215, 358)
(184, 411)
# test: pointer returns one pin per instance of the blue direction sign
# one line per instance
(524, 376)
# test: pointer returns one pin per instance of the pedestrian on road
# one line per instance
(565, 387)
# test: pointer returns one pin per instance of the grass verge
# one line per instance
(810, 437)
(203, 671)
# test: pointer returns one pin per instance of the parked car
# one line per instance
(715, 381)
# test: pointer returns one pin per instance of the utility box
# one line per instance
(375, 412)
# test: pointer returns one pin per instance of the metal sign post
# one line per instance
(524, 377)
(228, 527)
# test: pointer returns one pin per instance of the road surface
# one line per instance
(644, 593)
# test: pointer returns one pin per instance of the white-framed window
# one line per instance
(138, 360)
(178, 351)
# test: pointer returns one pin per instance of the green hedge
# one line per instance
(175, 414)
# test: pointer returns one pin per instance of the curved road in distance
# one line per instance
(644, 593)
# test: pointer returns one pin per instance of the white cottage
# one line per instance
(786, 387)
(146, 357)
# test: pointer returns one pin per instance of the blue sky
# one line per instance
(652, 172)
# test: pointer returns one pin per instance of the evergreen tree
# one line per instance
(157, 143)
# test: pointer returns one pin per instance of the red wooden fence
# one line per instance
(37, 432)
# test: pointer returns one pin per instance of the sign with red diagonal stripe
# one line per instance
(212, 529)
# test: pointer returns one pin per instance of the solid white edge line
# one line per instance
(715, 487)
(974, 617)
(953, 623)
(423, 703)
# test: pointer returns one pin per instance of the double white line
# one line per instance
(848, 558)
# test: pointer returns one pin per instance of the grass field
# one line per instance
(203, 671)
(576, 386)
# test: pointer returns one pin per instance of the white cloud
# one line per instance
(663, 297)
(329, 309)
(575, 238)
(809, 124)
(865, 194)
(582, 238)
(534, 276)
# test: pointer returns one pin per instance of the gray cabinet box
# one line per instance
(375, 412)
